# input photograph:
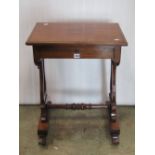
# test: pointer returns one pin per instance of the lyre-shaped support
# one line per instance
(43, 121)
(112, 107)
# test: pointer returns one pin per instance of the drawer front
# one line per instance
(74, 52)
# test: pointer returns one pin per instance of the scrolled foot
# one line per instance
(42, 132)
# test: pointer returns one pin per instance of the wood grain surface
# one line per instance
(77, 33)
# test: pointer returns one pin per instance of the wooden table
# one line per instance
(77, 41)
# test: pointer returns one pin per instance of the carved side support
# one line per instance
(43, 121)
(113, 115)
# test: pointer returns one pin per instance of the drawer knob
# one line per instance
(76, 54)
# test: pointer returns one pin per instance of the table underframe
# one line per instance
(45, 105)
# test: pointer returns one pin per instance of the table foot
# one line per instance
(42, 132)
(114, 131)
(42, 141)
(113, 122)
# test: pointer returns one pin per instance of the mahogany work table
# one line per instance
(77, 41)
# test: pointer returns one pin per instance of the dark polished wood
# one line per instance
(80, 40)
(80, 106)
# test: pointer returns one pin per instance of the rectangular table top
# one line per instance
(77, 33)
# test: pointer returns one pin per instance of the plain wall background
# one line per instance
(76, 80)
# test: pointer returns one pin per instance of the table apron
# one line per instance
(74, 52)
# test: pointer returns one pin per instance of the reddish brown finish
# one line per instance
(42, 132)
(68, 51)
(77, 33)
(77, 40)
(42, 126)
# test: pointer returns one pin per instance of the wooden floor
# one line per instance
(75, 132)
